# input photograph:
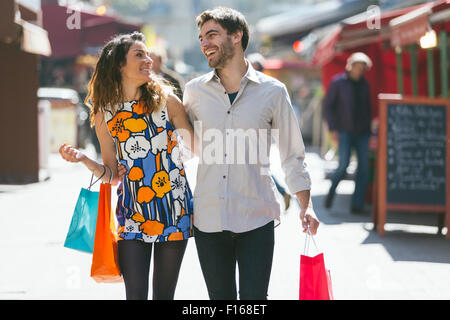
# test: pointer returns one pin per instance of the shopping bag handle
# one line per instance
(307, 242)
(111, 176)
(92, 177)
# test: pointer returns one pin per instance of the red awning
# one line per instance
(409, 28)
(94, 30)
(326, 49)
(354, 32)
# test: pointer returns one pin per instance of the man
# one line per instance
(234, 204)
(347, 112)
(170, 76)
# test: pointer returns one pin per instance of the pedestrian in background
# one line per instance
(133, 116)
(160, 69)
(235, 206)
(348, 114)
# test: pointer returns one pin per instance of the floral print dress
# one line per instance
(154, 198)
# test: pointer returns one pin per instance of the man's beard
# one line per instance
(225, 53)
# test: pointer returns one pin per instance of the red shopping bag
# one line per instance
(105, 266)
(315, 279)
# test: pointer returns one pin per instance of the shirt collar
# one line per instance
(212, 75)
(250, 74)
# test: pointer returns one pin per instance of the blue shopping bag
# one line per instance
(81, 232)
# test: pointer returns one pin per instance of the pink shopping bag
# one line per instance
(315, 279)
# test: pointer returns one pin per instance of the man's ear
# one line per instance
(237, 36)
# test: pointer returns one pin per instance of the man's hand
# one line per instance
(309, 219)
(307, 215)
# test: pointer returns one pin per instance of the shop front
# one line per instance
(409, 50)
(22, 41)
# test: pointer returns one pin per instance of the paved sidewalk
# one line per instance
(410, 262)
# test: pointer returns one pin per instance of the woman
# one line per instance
(133, 115)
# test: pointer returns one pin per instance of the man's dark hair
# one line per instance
(230, 19)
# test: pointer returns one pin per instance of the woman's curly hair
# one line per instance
(105, 86)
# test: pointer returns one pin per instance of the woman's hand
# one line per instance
(71, 154)
(121, 171)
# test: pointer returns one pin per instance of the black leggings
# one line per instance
(134, 262)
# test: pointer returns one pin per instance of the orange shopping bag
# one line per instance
(105, 266)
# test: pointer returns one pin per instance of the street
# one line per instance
(410, 262)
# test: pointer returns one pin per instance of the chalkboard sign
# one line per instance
(416, 154)
(413, 159)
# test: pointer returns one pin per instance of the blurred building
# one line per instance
(288, 40)
(306, 35)
(285, 28)
(389, 32)
(173, 23)
(22, 42)
(77, 32)
(401, 64)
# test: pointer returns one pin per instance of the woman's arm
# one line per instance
(108, 151)
(72, 154)
(115, 172)
(179, 119)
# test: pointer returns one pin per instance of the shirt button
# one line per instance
(228, 112)
(224, 177)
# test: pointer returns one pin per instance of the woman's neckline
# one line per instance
(129, 101)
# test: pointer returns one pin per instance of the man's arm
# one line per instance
(292, 155)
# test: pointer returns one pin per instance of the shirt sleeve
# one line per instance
(289, 140)
(187, 102)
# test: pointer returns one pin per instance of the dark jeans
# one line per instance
(134, 262)
(360, 143)
(218, 253)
